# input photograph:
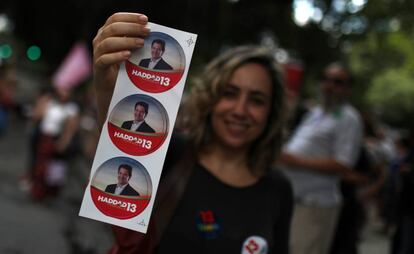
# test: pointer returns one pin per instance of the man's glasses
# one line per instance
(336, 81)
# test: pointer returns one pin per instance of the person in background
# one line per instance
(322, 149)
(7, 90)
(57, 118)
(360, 193)
(402, 240)
(218, 193)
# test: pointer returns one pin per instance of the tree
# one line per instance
(384, 65)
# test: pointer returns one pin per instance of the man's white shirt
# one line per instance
(152, 63)
(119, 189)
(323, 135)
(135, 125)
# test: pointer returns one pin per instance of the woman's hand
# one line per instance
(121, 34)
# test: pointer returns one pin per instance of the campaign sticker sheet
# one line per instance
(133, 144)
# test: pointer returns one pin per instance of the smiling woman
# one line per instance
(241, 113)
(218, 193)
(245, 78)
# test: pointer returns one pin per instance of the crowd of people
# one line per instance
(232, 165)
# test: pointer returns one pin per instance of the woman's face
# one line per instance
(241, 114)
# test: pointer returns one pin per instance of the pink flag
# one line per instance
(76, 67)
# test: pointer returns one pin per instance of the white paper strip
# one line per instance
(135, 136)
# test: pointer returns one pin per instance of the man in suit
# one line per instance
(139, 124)
(122, 187)
(156, 62)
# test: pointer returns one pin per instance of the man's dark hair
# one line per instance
(161, 42)
(127, 167)
(337, 64)
(143, 104)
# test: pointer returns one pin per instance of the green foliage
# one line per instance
(392, 94)
(384, 65)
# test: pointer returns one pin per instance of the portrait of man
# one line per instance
(156, 62)
(139, 124)
(123, 187)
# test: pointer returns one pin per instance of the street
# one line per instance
(52, 226)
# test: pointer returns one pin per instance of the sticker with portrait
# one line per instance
(121, 187)
(159, 65)
(137, 131)
(138, 124)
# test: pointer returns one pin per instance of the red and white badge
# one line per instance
(158, 66)
(255, 245)
(138, 125)
(121, 188)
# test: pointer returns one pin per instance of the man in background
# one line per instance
(323, 148)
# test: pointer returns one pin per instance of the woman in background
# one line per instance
(56, 118)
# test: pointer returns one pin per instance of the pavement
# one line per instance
(53, 226)
(50, 226)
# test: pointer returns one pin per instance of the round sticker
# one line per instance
(158, 66)
(138, 124)
(121, 188)
(255, 245)
(208, 224)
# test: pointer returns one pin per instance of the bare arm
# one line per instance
(40, 107)
(328, 166)
(69, 131)
(122, 33)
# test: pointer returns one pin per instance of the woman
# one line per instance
(56, 120)
(218, 194)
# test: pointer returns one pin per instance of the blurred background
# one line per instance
(45, 47)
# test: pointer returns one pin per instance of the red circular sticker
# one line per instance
(121, 188)
(138, 125)
(158, 66)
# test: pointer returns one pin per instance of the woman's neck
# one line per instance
(228, 165)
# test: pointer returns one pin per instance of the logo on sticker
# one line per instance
(158, 66)
(121, 188)
(255, 245)
(138, 125)
(208, 224)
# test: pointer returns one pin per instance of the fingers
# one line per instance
(122, 33)
(127, 17)
(117, 44)
(123, 25)
(112, 58)
(124, 29)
